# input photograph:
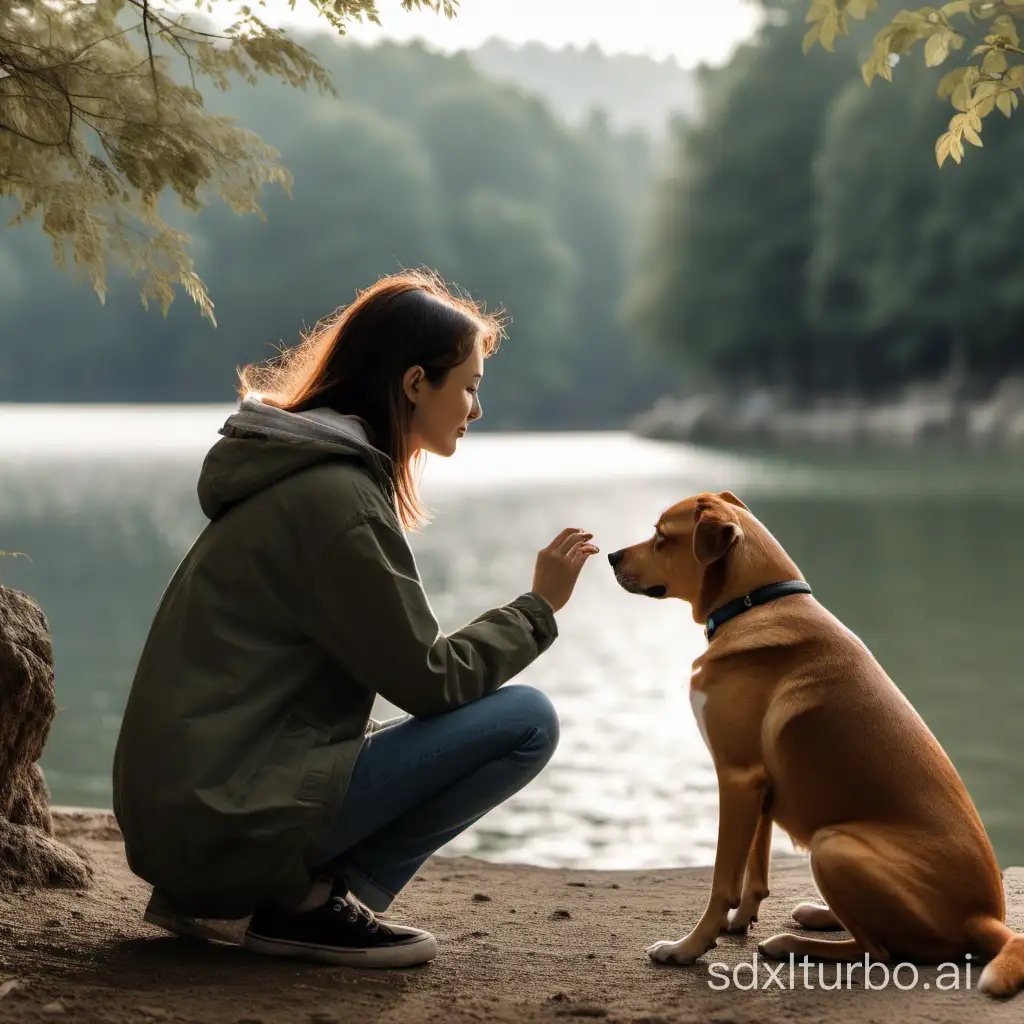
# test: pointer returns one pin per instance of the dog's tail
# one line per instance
(1004, 973)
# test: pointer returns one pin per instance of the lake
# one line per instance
(920, 555)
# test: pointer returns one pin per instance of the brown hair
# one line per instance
(354, 360)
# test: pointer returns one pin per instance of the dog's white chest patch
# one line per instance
(698, 698)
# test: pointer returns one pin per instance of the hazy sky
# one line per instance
(690, 30)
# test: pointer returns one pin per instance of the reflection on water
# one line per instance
(918, 555)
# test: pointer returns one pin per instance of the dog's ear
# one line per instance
(715, 529)
(732, 499)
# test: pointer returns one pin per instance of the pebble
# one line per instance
(54, 1009)
(154, 1012)
(556, 914)
(481, 897)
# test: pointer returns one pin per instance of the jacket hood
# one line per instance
(263, 444)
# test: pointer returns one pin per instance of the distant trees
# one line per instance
(418, 160)
(806, 241)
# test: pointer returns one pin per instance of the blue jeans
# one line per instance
(419, 782)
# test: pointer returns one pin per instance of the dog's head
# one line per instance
(689, 540)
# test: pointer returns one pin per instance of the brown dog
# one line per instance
(807, 730)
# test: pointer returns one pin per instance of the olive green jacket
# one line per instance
(297, 604)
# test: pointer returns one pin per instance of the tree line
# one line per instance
(806, 239)
(798, 235)
(419, 160)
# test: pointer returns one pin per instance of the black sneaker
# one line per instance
(340, 931)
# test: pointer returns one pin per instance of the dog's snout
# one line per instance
(614, 558)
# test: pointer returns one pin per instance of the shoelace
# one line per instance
(355, 910)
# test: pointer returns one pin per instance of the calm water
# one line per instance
(920, 556)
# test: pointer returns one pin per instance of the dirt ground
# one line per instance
(517, 944)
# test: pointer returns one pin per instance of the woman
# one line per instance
(248, 777)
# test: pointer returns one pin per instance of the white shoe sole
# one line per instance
(405, 954)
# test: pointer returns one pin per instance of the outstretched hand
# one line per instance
(559, 564)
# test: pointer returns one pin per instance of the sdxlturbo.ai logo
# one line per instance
(830, 977)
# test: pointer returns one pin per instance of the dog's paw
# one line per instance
(739, 921)
(816, 916)
(778, 947)
(681, 952)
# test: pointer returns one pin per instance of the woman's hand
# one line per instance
(559, 565)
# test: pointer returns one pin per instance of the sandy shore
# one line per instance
(517, 944)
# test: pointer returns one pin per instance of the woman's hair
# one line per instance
(354, 360)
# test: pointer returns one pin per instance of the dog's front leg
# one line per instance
(755, 881)
(740, 801)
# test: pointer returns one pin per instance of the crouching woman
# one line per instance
(248, 776)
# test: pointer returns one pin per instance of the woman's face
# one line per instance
(442, 414)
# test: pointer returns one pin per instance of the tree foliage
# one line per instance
(396, 171)
(95, 126)
(733, 224)
(974, 90)
(804, 240)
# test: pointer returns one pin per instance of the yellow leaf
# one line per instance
(950, 81)
(942, 147)
(917, 19)
(957, 7)
(995, 62)
(1004, 25)
(936, 50)
(959, 97)
(827, 36)
(859, 8)
(811, 38)
(1005, 103)
(956, 150)
(972, 136)
(820, 9)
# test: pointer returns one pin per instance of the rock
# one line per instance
(481, 897)
(153, 1012)
(54, 1009)
(560, 914)
(699, 418)
(29, 854)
